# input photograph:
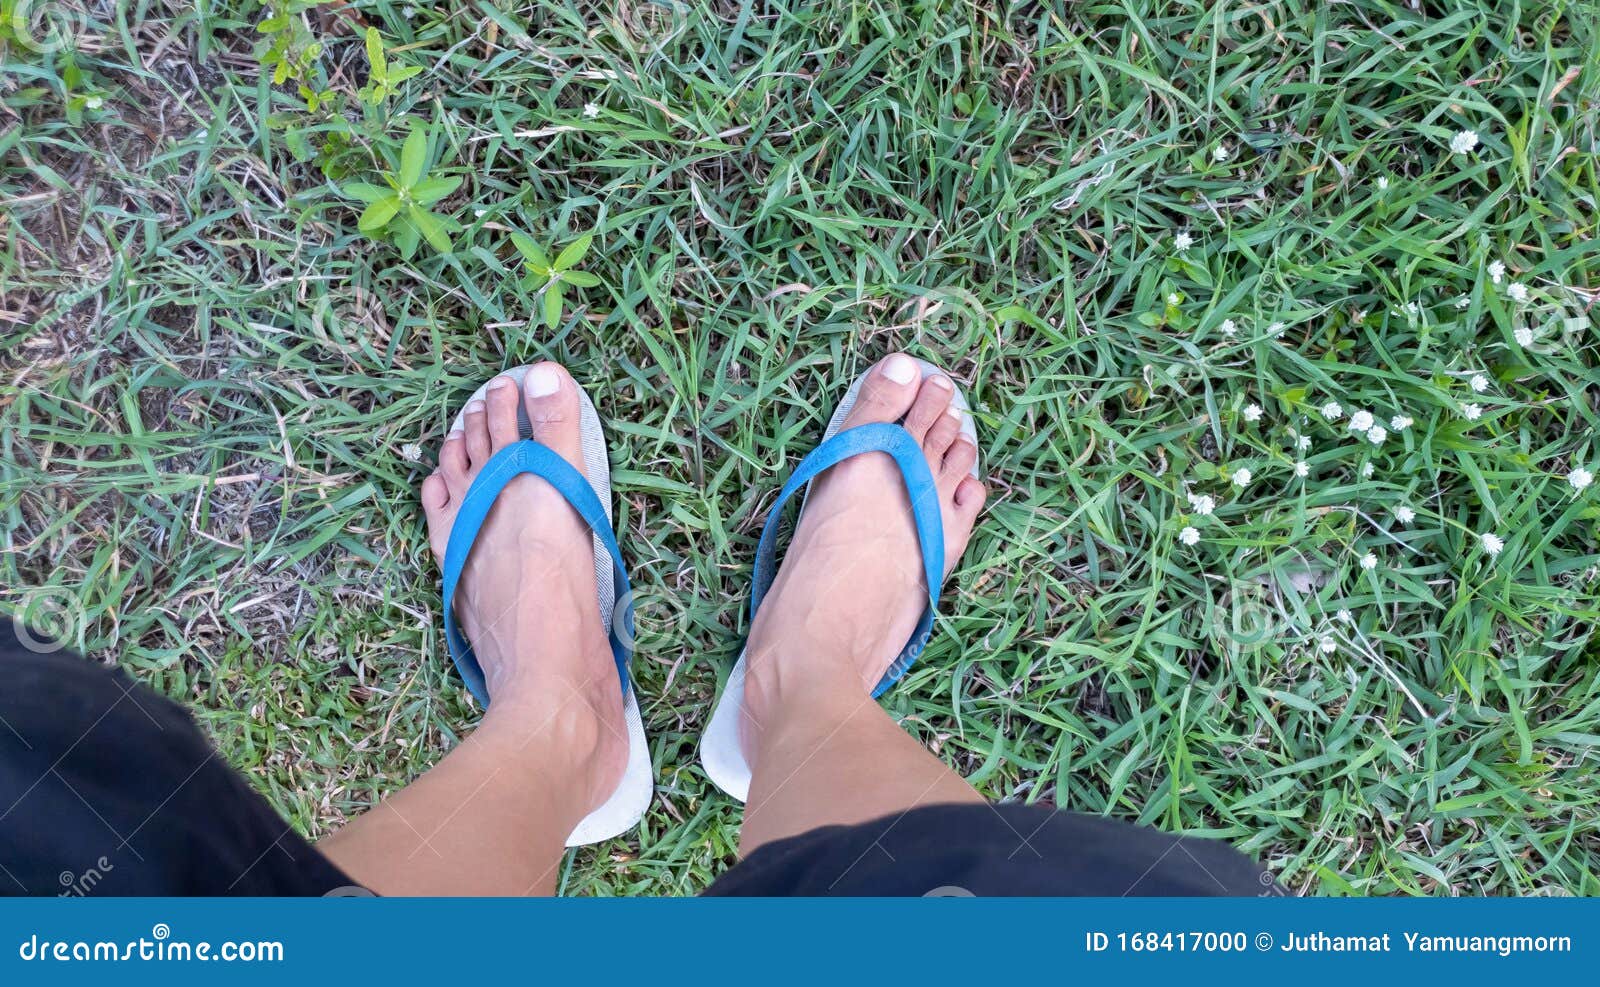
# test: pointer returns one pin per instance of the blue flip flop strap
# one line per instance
(528, 456)
(898, 443)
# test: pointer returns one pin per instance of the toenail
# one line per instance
(940, 381)
(499, 382)
(900, 368)
(543, 381)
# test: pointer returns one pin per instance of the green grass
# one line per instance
(211, 378)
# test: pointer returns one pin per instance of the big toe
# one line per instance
(887, 392)
(554, 410)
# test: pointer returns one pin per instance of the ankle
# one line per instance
(567, 741)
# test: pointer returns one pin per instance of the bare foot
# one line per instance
(851, 587)
(526, 599)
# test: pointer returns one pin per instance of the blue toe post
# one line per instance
(528, 456)
(924, 494)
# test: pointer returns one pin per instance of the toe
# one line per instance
(941, 434)
(477, 434)
(958, 461)
(933, 397)
(887, 392)
(502, 401)
(436, 507)
(551, 397)
(453, 465)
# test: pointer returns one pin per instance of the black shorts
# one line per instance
(107, 788)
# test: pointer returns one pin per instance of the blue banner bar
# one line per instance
(1312, 940)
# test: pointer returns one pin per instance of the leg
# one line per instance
(846, 598)
(493, 816)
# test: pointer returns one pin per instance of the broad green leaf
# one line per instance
(403, 73)
(431, 190)
(552, 305)
(378, 214)
(531, 252)
(406, 237)
(429, 226)
(580, 279)
(573, 252)
(380, 68)
(365, 191)
(413, 158)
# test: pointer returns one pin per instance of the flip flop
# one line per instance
(589, 493)
(721, 750)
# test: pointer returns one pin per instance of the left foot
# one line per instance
(527, 599)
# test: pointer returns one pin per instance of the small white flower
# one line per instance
(1463, 301)
(1172, 299)
(591, 110)
(1277, 329)
(1331, 411)
(1491, 543)
(1360, 421)
(1327, 645)
(1369, 562)
(1497, 270)
(1383, 182)
(1202, 504)
(1252, 412)
(1523, 336)
(1479, 383)
(1182, 242)
(1412, 308)
(1580, 478)
(1221, 153)
(1301, 469)
(1229, 327)
(1240, 478)
(1400, 423)
(1189, 536)
(1464, 142)
(1303, 442)
(1366, 471)
(1343, 616)
(1472, 412)
(411, 452)
(1376, 434)
(1517, 291)
(1404, 514)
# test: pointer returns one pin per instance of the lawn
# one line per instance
(1175, 251)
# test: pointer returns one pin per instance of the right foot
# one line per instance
(851, 587)
(526, 599)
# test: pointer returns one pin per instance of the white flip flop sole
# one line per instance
(722, 747)
(627, 805)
